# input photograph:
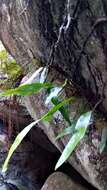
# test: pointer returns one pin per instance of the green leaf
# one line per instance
(27, 89)
(34, 76)
(63, 110)
(66, 131)
(17, 142)
(103, 140)
(44, 74)
(57, 107)
(84, 120)
(24, 132)
(54, 92)
(70, 147)
(81, 127)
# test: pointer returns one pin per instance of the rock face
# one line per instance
(69, 35)
(86, 159)
(60, 181)
(72, 32)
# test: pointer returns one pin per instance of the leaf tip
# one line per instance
(4, 169)
(56, 167)
(58, 164)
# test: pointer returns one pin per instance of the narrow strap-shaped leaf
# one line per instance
(84, 120)
(66, 131)
(44, 75)
(24, 132)
(27, 89)
(57, 107)
(17, 142)
(103, 140)
(33, 76)
(63, 110)
(70, 147)
(81, 127)
(54, 92)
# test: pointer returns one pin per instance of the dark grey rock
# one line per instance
(77, 29)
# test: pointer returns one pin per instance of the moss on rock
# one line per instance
(10, 71)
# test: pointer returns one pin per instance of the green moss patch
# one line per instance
(9, 70)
